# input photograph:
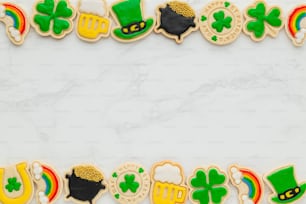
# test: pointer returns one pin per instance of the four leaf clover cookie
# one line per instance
(220, 22)
(261, 20)
(53, 18)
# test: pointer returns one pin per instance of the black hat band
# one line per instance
(289, 194)
(134, 27)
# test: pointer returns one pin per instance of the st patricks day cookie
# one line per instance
(262, 20)
(168, 183)
(208, 186)
(85, 184)
(129, 184)
(132, 23)
(16, 22)
(93, 22)
(285, 187)
(16, 184)
(220, 22)
(53, 18)
(296, 25)
(49, 183)
(249, 184)
(175, 20)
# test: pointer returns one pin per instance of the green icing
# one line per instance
(214, 38)
(129, 184)
(209, 188)
(227, 4)
(114, 175)
(128, 11)
(260, 18)
(140, 170)
(117, 196)
(221, 21)
(59, 14)
(203, 18)
(12, 184)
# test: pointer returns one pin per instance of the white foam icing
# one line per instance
(300, 35)
(15, 34)
(43, 199)
(37, 170)
(236, 175)
(2, 11)
(247, 200)
(168, 173)
(96, 7)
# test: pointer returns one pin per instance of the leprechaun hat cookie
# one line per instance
(168, 183)
(175, 20)
(93, 20)
(208, 186)
(16, 22)
(53, 18)
(220, 22)
(285, 187)
(16, 184)
(85, 184)
(129, 16)
(49, 183)
(296, 25)
(262, 20)
(249, 184)
(129, 184)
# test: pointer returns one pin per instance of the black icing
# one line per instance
(174, 23)
(82, 189)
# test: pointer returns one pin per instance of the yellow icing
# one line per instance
(168, 193)
(91, 26)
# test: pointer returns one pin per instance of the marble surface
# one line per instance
(68, 102)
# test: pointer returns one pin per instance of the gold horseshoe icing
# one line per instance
(27, 186)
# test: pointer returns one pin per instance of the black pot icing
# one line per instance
(82, 189)
(174, 23)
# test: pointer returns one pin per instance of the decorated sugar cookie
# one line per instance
(85, 184)
(16, 184)
(262, 20)
(208, 186)
(175, 20)
(130, 18)
(53, 18)
(285, 187)
(16, 22)
(93, 21)
(129, 184)
(49, 184)
(249, 184)
(296, 25)
(168, 184)
(220, 22)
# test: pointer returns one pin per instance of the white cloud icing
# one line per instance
(96, 7)
(168, 173)
(43, 199)
(247, 200)
(300, 35)
(2, 11)
(236, 175)
(15, 34)
(37, 170)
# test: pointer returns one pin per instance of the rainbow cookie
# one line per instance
(208, 186)
(296, 25)
(249, 185)
(129, 184)
(93, 21)
(16, 186)
(175, 20)
(16, 22)
(85, 184)
(168, 183)
(48, 182)
(262, 20)
(53, 18)
(220, 22)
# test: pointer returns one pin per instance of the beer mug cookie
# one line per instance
(16, 22)
(84, 184)
(16, 184)
(220, 22)
(93, 22)
(168, 184)
(249, 184)
(262, 20)
(129, 184)
(208, 186)
(49, 183)
(296, 25)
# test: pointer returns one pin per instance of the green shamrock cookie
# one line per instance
(53, 17)
(208, 187)
(12, 185)
(262, 20)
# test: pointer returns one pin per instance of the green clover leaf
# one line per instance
(209, 187)
(129, 184)
(13, 184)
(221, 21)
